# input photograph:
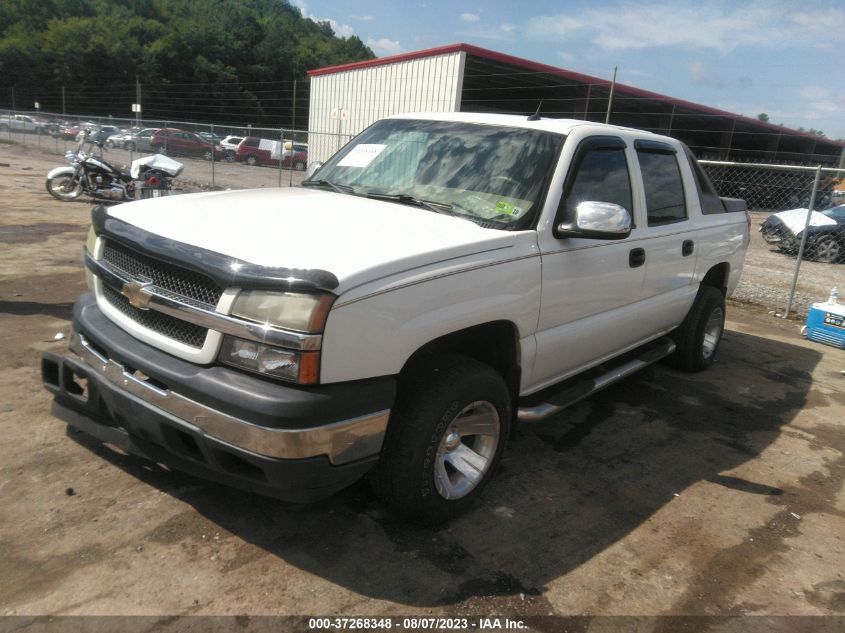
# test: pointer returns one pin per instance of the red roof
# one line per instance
(527, 64)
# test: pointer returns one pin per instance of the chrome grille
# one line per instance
(164, 324)
(183, 283)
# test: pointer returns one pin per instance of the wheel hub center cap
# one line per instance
(452, 441)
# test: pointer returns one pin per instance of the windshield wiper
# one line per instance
(328, 183)
(404, 198)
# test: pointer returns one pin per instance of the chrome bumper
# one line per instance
(343, 442)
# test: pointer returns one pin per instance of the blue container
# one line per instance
(826, 324)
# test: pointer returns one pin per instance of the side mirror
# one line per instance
(597, 221)
(312, 168)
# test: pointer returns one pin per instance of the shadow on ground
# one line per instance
(568, 488)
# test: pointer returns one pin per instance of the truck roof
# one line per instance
(559, 126)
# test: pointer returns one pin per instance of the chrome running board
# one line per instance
(586, 388)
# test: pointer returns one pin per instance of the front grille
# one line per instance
(185, 284)
(164, 324)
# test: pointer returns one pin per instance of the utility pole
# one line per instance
(63, 100)
(610, 98)
(292, 136)
(13, 100)
(138, 101)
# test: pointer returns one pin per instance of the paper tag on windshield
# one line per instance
(506, 208)
(361, 155)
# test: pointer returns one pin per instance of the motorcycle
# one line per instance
(151, 176)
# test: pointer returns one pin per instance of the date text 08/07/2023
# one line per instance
(415, 624)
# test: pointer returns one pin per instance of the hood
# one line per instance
(795, 219)
(356, 239)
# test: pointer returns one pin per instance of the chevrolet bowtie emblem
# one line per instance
(138, 293)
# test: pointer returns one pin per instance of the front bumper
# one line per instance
(283, 441)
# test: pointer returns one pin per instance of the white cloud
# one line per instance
(469, 17)
(566, 57)
(341, 30)
(814, 92)
(489, 32)
(714, 26)
(363, 18)
(701, 73)
(384, 46)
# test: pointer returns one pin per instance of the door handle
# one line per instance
(687, 248)
(636, 258)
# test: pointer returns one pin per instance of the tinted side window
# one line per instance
(664, 190)
(710, 200)
(602, 176)
(251, 142)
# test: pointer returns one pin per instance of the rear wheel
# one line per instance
(299, 166)
(207, 155)
(698, 337)
(445, 438)
(251, 160)
(130, 146)
(64, 187)
(230, 156)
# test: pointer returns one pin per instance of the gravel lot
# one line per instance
(668, 494)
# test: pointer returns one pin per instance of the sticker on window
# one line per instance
(506, 208)
(361, 155)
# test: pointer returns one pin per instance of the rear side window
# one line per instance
(250, 142)
(664, 190)
(710, 200)
(602, 176)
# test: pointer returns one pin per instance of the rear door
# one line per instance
(667, 236)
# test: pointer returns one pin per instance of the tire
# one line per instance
(827, 250)
(207, 155)
(159, 149)
(299, 166)
(428, 470)
(698, 337)
(61, 187)
(230, 156)
(129, 146)
(252, 161)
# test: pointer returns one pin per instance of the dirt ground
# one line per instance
(718, 493)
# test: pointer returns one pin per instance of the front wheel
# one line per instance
(299, 166)
(64, 187)
(827, 250)
(697, 339)
(252, 161)
(445, 438)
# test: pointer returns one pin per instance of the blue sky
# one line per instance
(781, 57)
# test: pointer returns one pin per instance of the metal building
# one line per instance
(461, 77)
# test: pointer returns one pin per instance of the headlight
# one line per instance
(91, 242)
(287, 310)
(300, 312)
(91, 247)
(300, 367)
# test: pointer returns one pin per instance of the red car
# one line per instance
(262, 151)
(181, 142)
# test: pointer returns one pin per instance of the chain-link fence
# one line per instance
(797, 253)
(216, 156)
(795, 257)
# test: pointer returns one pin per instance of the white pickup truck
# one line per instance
(22, 123)
(437, 280)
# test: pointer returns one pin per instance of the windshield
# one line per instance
(837, 213)
(488, 174)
